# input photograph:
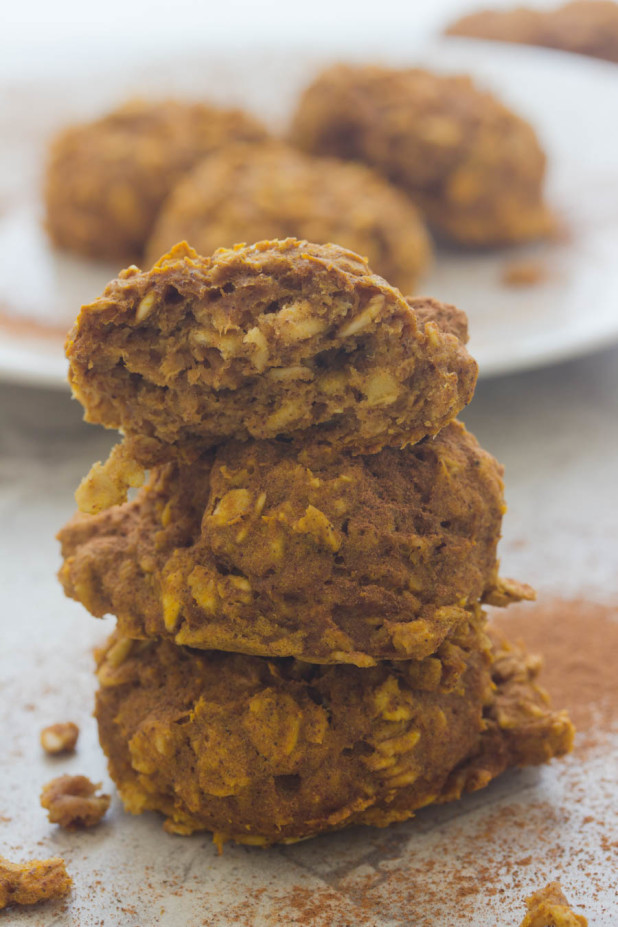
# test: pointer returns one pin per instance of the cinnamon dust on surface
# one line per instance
(507, 850)
(23, 327)
(524, 273)
(578, 642)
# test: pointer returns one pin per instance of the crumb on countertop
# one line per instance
(524, 273)
(33, 881)
(60, 738)
(71, 801)
(549, 908)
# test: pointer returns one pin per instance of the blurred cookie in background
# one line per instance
(587, 28)
(253, 193)
(106, 180)
(473, 166)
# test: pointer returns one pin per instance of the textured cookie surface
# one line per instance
(473, 166)
(107, 179)
(261, 751)
(260, 341)
(280, 550)
(253, 193)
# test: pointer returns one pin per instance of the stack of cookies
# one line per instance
(298, 582)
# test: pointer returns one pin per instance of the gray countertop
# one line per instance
(556, 431)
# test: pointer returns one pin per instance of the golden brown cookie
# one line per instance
(253, 193)
(587, 27)
(283, 550)
(472, 165)
(263, 751)
(262, 341)
(107, 179)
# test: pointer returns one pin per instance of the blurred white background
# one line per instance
(35, 31)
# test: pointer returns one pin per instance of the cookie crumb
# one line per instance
(71, 802)
(524, 273)
(33, 881)
(60, 738)
(549, 908)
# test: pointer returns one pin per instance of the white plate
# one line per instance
(569, 99)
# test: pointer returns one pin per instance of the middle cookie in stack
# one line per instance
(298, 587)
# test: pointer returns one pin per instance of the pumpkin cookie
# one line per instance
(106, 180)
(587, 27)
(473, 166)
(262, 751)
(252, 193)
(298, 550)
(270, 340)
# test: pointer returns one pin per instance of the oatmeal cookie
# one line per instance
(106, 180)
(252, 193)
(262, 341)
(262, 751)
(473, 166)
(283, 550)
(586, 28)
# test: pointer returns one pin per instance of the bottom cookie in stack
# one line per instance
(262, 750)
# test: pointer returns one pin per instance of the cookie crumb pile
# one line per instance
(299, 581)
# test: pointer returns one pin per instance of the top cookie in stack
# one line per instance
(280, 339)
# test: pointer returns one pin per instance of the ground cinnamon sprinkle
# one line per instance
(487, 858)
(30, 328)
(524, 273)
(578, 641)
